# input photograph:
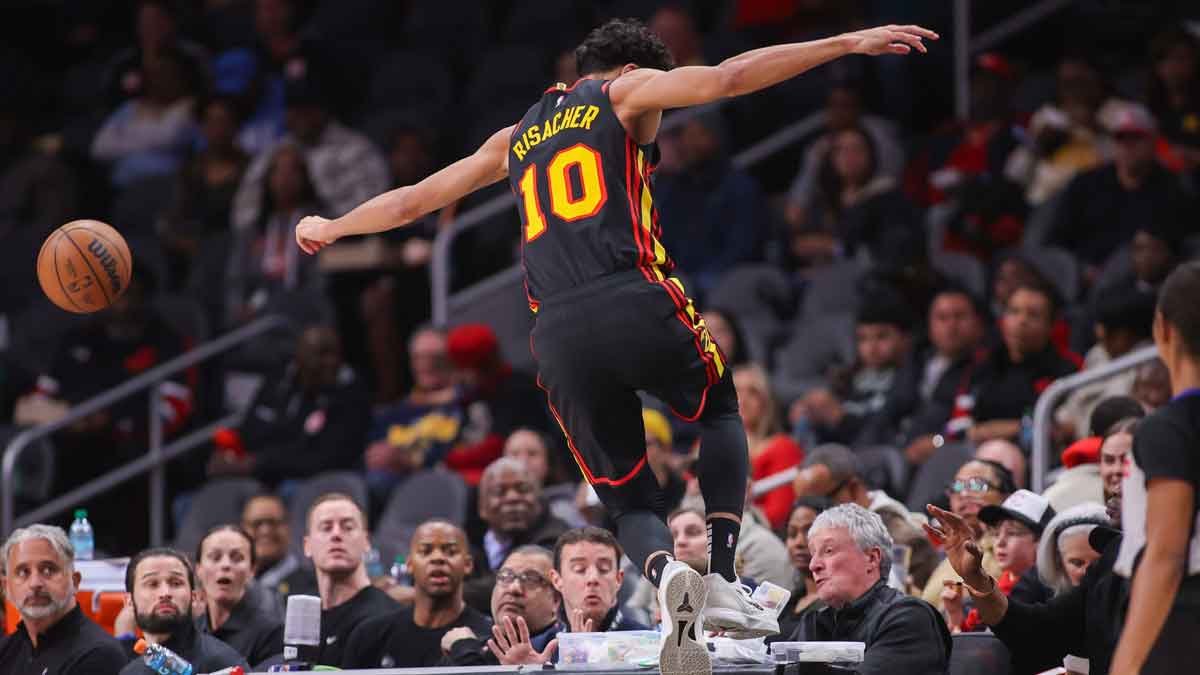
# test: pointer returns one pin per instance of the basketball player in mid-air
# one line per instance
(610, 319)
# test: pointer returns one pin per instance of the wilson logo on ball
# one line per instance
(108, 262)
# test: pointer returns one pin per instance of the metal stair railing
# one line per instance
(157, 455)
(1043, 412)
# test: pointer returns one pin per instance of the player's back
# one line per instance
(583, 190)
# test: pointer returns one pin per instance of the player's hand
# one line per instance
(312, 234)
(890, 40)
(580, 623)
(962, 551)
(512, 645)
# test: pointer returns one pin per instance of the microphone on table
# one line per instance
(301, 632)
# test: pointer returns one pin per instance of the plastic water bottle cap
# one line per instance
(81, 513)
(139, 647)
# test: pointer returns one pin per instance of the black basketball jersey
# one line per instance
(583, 189)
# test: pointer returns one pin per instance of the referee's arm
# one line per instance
(403, 205)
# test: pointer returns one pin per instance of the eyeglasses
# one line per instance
(252, 525)
(528, 579)
(970, 484)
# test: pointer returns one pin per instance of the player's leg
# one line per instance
(698, 386)
(605, 435)
(722, 467)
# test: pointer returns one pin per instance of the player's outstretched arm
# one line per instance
(403, 205)
(646, 89)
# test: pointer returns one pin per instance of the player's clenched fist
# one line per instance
(312, 234)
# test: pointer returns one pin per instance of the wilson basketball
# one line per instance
(84, 266)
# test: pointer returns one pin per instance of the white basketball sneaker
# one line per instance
(681, 596)
(731, 609)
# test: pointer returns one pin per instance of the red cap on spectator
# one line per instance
(1083, 451)
(471, 345)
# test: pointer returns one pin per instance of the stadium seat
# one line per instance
(565, 19)
(219, 501)
(148, 256)
(1040, 222)
(932, 477)
(884, 468)
(458, 27)
(1116, 269)
(430, 493)
(1059, 267)
(509, 72)
(419, 84)
(814, 347)
(760, 296)
(833, 289)
(964, 270)
(979, 654)
(138, 205)
(307, 491)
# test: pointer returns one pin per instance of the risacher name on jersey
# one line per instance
(574, 117)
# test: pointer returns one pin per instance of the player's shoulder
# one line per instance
(621, 85)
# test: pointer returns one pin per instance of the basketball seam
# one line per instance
(116, 250)
(99, 283)
(57, 275)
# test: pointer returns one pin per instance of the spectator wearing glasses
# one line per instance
(525, 609)
(278, 571)
(977, 484)
(832, 471)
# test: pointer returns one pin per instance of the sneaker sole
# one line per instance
(720, 619)
(685, 595)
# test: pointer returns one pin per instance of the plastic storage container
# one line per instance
(632, 648)
(818, 652)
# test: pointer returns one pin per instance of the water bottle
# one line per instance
(162, 660)
(373, 562)
(82, 537)
(400, 572)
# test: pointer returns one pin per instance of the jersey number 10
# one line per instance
(564, 203)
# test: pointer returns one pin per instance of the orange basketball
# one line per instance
(84, 266)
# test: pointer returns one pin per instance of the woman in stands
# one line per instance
(804, 594)
(224, 569)
(771, 450)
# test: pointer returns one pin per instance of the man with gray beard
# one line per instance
(54, 637)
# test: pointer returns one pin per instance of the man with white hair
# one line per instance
(53, 637)
(851, 557)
